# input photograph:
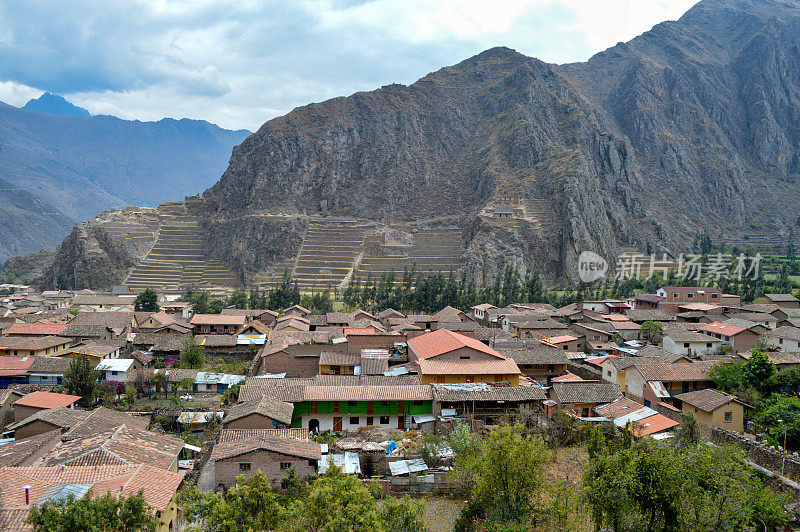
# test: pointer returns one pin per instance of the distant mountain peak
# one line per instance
(53, 104)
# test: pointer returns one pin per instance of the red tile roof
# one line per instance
(562, 339)
(36, 329)
(47, 400)
(443, 341)
(723, 328)
(569, 377)
(217, 319)
(652, 425)
(11, 366)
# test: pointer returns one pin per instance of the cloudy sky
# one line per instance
(239, 63)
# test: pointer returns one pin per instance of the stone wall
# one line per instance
(761, 454)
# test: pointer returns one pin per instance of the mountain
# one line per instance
(693, 125)
(56, 171)
(52, 104)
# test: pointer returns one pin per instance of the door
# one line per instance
(401, 422)
(337, 424)
(370, 420)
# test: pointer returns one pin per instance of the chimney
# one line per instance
(27, 489)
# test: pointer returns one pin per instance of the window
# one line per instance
(354, 420)
(244, 466)
(418, 403)
(728, 417)
(585, 412)
(384, 403)
(384, 420)
(686, 344)
(285, 465)
(351, 403)
(464, 357)
(714, 296)
(608, 373)
(690, 296)
(780, 340)
(708, 344)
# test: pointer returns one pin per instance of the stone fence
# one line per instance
(761, 454)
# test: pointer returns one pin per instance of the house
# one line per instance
(102, 419)
(163, 323)
(614, 368)
(37, 401)
(640, 316)
(504, 211)
(95, 353)
(525, 327)
(47, 370)
(100, 325)
(98, 303)
(784, 338)
(7, 398)
(479, 313)
(580, 398)
(768, 321)
(217, 323)
(682, 342)
(32, 346)
(115, 370)
(267, 317)
(606, 306)
(486, 402)
(59, 418)
(783, 300)
(177, 309)
(35, 329)
(296, 311)
(349, 407)
(292, 357)
(714, 408)
(206, 381)
(647, 301)
(781, 359)
(29, 451)
(263, 413)
(740, 338)
(565, 342)
(118, 445)
(447, 357)
(24, 487)
(336, 363)
(14, 370)
(674, 296)
(244, 452)
(641, 420)
(654, 383)
(449, 315)
(540, 362)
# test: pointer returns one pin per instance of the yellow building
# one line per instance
(714, 408)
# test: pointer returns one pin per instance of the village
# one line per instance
(99, 395)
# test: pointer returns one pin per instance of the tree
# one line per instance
(192, 354)
(334, 502)
(247, 506)
(147, 301)
(663, 487)
(403, 515)
(689, 432)
(199, 302)
(652, 331)
(107, 512)
(238, 299)
(81, 379)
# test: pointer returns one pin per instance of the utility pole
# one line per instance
(783, 462)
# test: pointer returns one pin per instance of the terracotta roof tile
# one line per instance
(47, 400)
(443, 341)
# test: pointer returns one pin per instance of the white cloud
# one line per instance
(239, 64)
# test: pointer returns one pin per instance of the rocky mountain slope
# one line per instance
(56, 171)
(692, 125)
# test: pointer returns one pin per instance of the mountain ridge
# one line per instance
(693, 125)
(79, 167)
